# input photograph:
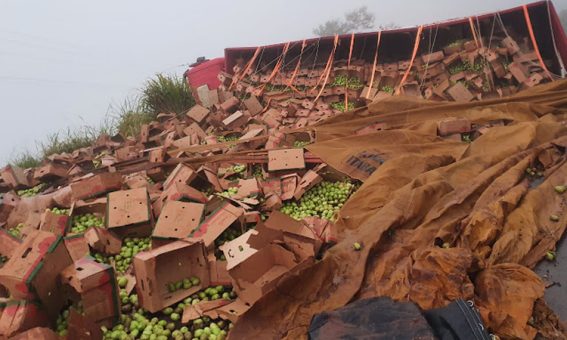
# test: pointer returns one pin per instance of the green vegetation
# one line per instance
(164, 93)
(466, 66)
(352, 83)
(388, 89)
(340, 106)
(31, 191)
(323, 200)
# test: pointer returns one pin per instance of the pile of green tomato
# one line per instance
(238, 168)
(60, 211)
(323, 200)
(31, 191)
(16, 231)
(139, 326)
(229, 192)
(81, 223)
(223, 139)
(226, 236)
(300, 144)
(183, 284)
(350, 82)
(61, 325)
(340, 106)
(257, 171)
(135, 323)
(130, 247)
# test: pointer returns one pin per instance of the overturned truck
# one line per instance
(327, 188)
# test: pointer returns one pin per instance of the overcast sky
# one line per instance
(63, 62)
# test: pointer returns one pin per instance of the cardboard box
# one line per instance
(96, 284)
(8, 201)
(233, 311)
(178, 219)
(453, 125)
(103, 241)
(128, 213)
(54, 223)
(173, 262)
(260, 272)
(253, 105)
(51, 171)
(8, 243)
(460, 93)
(81, 327)
(198, 113)
(195, 130)
(33, 270)
(285, 159)
(214, 224)
(77, 246)
(95, 185)
(37, 333)
(289, 186)
(235, 120)
(308, 181)
(181, 174)
(19, 316)
(218, 273)
(14, 177)
(238, 250)
(246, 187)
(178, 192)
(203, 308)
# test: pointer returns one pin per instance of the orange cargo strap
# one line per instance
(294, 74)
(471, 23)
(329, 62)
(374, 65)
(534, 41)
(329, 66)
(415, 48)
(250, 62)
(348, 66)
(276, 67)
(279, 63)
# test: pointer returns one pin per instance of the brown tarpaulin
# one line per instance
(421, 191)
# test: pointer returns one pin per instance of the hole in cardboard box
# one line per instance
(26, 253)
(79, 269)
(247, 304)
(127, 195)
(115, 208)
(165, 216)
(140, 202)
(127, 216)
(232, 311)
(183, 207)
(192, 220)
(175, 229)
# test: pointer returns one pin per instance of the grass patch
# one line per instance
(26, 160)
(166, 93)
(130, 115)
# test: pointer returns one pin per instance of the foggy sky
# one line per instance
(63, 62)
